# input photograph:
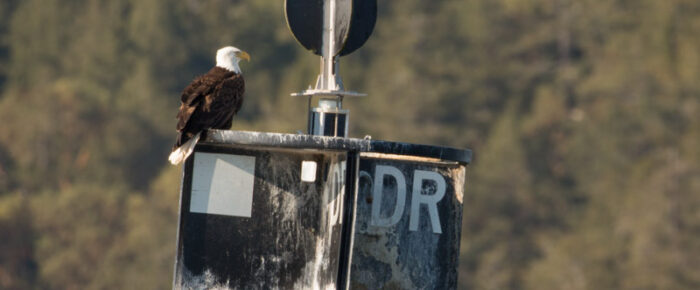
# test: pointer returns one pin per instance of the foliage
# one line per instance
(584, 117)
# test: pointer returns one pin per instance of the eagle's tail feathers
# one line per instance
(181, 153)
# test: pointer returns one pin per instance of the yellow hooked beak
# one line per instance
(243, 55)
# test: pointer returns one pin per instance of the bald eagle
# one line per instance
(210, 101)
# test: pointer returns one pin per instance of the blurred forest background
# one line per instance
(584, 116)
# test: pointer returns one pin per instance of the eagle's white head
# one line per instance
(228, 58)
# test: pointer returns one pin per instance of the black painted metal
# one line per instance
(392, 255)
(343, 16)
(364, 17)
(341, 122)
(305, 20)
(355, 20)
(347, 236)
(289, 242)
(333, 124)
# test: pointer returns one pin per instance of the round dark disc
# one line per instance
(305, 20)
(364, 17)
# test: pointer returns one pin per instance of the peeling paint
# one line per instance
(206, 280)
(290, 241)
(292, 238)
(459, 175)
(392, 256)
(441, 153)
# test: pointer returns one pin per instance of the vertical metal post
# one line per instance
(347, 236)
(329, 118)
(327, 81)
(328, 52)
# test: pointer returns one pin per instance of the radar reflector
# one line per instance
(330, 29)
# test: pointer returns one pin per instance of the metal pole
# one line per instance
(329, 118)
(328, 79)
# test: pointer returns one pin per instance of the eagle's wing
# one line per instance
(227, 101)
(209, 103)
(191, 97)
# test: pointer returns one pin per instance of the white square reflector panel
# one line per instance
(308, 171)
(222, 184)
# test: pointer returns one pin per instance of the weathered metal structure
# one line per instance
(260, 211)
(319, 210)
(408, 222)
(290, 211)
(330, 29)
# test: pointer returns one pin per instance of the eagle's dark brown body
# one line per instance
(209, 102)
